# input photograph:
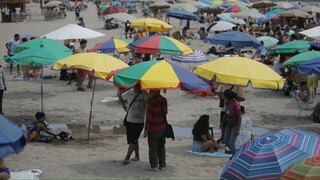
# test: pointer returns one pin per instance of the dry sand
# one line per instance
(101, 158)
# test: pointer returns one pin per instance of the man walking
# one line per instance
(11, 45)
(3, 88)
(155, 129)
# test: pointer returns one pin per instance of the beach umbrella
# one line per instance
(315, 45)
(212, 9)
(213, 2)
(269, 15)
(262, 4)
(283, 5)
(122, 17)
(310, 67)
(269, 155)
(301, 58)
(182, 14)
(249, 13)
(52, 4)
(102, 7)
(114, 9)
(101, 66)
(151, 25)
(12, 138)
(292, 47)
(221, 26)
(308, 169)
(313, 32)
(228, 17)
(160, 5)
(196, 57)
(199, 4)
(110, 46)
(185, 6)
(236, 9)
(158, 44)
(42, 43)
(293, 13)
(313, 9)
(73, 31)
(240, 71)
(268, 41)
(147, 74)
(235, 39)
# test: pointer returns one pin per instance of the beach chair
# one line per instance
(303, 106)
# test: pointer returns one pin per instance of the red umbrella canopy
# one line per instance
(113, 10)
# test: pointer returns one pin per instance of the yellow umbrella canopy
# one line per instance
(151, 25)
(102, 64)
(240, 71)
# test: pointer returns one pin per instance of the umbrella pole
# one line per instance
(41, 80)
(92, 97)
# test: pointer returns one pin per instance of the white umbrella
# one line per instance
(199, 4)
(313, 32)
(73, 31)
(222, 26)
(52, 4)
(283, 5)
(227, 17)
(313, 9)
(122, 17)
(250, 13)
(185, 6)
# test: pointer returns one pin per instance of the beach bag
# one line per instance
(125, 122)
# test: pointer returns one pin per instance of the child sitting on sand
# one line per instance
(38, 130)
(203, 140)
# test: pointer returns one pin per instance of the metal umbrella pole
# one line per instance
(92, 97)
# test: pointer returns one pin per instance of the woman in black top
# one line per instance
(202, 139)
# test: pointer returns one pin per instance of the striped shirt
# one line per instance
(156, 115)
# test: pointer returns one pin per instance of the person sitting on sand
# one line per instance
(203, 140)
(38, 131)
(4, 171)
(303, 93)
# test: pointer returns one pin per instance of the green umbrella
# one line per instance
(301, 58)
(268, 41)
(38, 56)
(292, 47)
(37, 43)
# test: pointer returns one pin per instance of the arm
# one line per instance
(148, 121)
(4, 81)
(238, 121)
(122, 102)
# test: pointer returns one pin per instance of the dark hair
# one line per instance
(83, 41)
(201, 126)
(40, 115)
(16, 35)
(228, 93)
(242, 110)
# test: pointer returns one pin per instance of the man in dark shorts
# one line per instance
(136, 109)
(127, 29)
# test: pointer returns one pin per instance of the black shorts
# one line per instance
(133, 132)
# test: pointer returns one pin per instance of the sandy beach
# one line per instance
(102, 156)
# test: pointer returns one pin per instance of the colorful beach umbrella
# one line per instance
(269, 155)
(301, 58)
(110, 46)
(308, 169)
(235, 39)
(268, 41)
(151, 25)
(236, 9)
(196, 57)
(158, 44)
(12, 138)
(147, 74)
(114, 9)
(42, 43)
(182, 14)
(310, 67)
(292, 47)
(240, 71)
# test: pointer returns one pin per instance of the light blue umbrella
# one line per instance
(228, 17)
(12, 138)
(196, 57)
(268, 41)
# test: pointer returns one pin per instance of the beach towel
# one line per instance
(32, 174)
(219, 153)
(109, 99)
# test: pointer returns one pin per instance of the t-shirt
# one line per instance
(137, 111)
(239, 90)
(231, 111)
(13, 44)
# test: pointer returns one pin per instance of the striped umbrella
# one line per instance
(110, 46)
(160, 44)
(308, 169)
(269, 155)
(155, 75)
(196, 57)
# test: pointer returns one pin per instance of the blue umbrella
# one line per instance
(269, 15)
(310, 67)
(315, 45)
(269, 155)
(182, 14)
(12, 138)
(235, 39)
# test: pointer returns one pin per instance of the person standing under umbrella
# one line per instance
(11, 45)
(77, 12)
(134, 120)
(3, 87)
(155, 129)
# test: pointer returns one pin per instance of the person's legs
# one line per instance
(226, 136)
(80, 82)
(1, 97)
(131, 148)
(18, 69)
(153, 151)
(136, 151)
(11, 67)
(232, 140)
(90, 80)
(162, 153)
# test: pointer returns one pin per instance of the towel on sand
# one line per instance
(219, 153)
(32, 174)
